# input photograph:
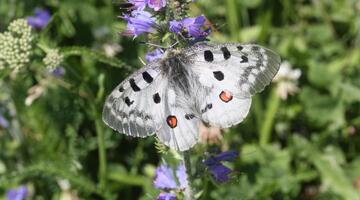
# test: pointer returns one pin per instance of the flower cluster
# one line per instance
(166, 181)
(141, 21)
(16, 45)
(219, 171)
(53, 59)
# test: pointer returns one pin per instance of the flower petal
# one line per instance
(164, 178)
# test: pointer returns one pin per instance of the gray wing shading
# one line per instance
(244, 69)
(135, 106)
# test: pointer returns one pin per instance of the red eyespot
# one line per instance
(171, 121)
(225, 96)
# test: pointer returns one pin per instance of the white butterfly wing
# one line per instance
(234, 73)
(135, 106)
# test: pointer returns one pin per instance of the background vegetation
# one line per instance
(303, 147)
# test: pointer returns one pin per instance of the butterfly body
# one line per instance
(211, 83)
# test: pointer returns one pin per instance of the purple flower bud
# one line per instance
(181, 175)
(58, 72)
(138, 4)
(19, 193)
(165, 180)
(166, 196)
(175, 27)
(156, 54)
(40, 20)
(193, 26)
(156, 4)
(4, 123)
(139, 22)
(218, 170)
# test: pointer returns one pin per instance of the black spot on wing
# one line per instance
(219, 75)
(147, 77)
(189, 116)
(156, 98)
(208, 56)
(121, 89)
(133, 85)
(128, 101)
(240, 47)
(226, 53)
(244, 59)
(208, 107)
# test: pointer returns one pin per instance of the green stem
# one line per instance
(102, 154)
(266, 128)
(189, 193)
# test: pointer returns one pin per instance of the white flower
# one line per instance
(112, 49)
(287, 79)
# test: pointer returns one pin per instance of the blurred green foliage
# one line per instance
(304, 147)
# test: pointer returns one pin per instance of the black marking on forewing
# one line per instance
(147, 77)
(239, 47)
(219, 75)
(156, 98)
(244, 59)
(189, 116)
(226, 53)
(255, 48)
(121, 89)
(133, 85)
(208, 56)
(128, 101)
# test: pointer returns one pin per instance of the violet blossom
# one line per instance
(138, 4)
(165, 180)
(166, 196)
(156, 4)
(139, 22)
(193, 26)
(217, 169)
(40, 20)
(19, 193)
(156, 54)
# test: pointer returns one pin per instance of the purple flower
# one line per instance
(139, 22)
(156, 54)
(3, 122)
(175, 27)
(166, 196)
(217, 169)
(40, 20)
(58, 72)
(165, 180)
(19, 193)
(193, 26)
(156, 4)
(138, 4)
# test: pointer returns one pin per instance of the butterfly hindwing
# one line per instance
(127, 108)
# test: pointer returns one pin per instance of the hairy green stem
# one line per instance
(189, 193)
(266, 128)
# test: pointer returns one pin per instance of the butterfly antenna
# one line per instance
(142, 61)
(151, 44)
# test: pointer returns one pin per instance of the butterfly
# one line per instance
(205, 83)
